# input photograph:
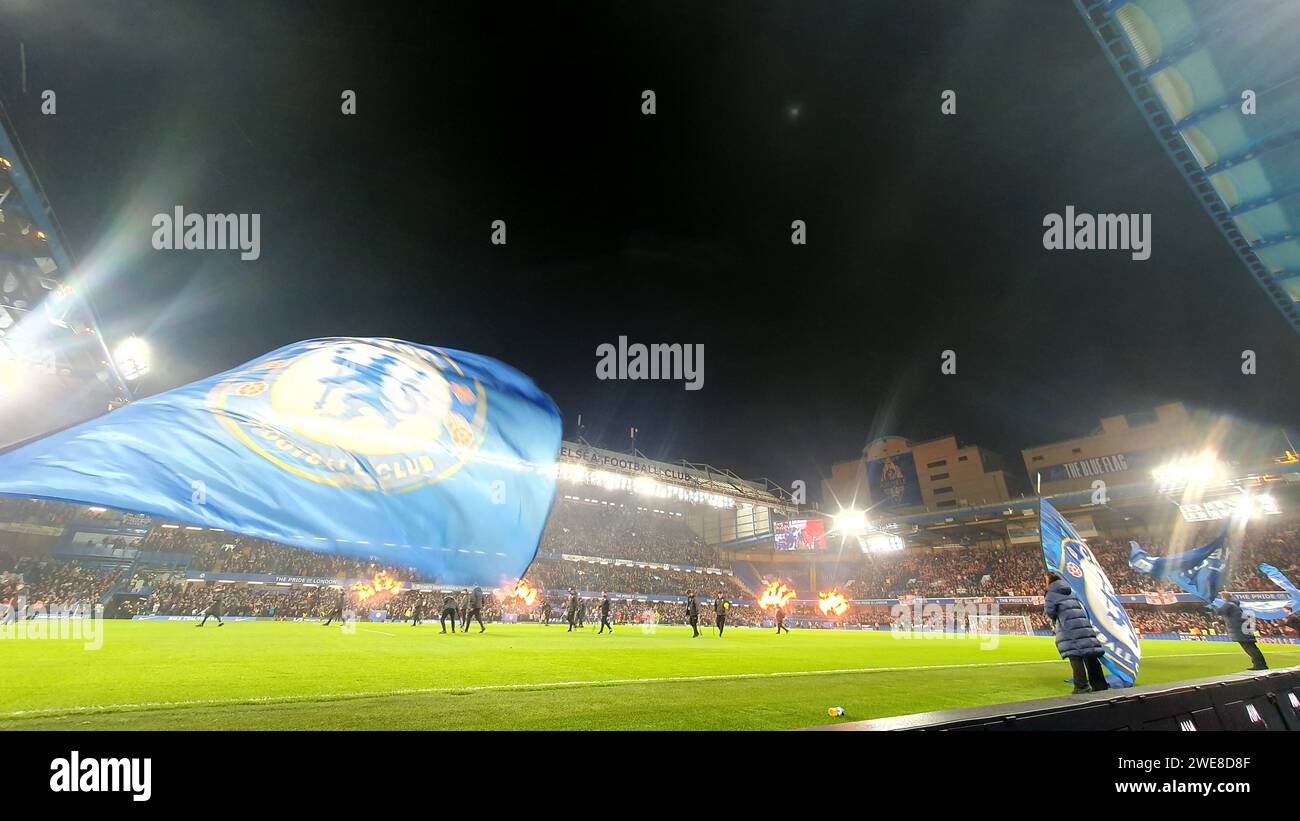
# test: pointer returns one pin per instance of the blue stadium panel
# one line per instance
(1186, 64)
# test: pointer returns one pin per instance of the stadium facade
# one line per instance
(897, 475)
(1125, 449)
(1153, 471)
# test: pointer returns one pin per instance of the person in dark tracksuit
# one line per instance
(1241, 628)
(448, 612)
(416, 611)
(693, 613)
(546, 614)
(780, 620)
(1076, 638)
(574, 604)
(474, 610)
(464, 611)
(337, 612)
(214, 609)
(1292, 620)
(720, 607)
(604, 615)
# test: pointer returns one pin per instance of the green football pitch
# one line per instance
(285, 675)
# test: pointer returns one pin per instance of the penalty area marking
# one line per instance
(145, 706)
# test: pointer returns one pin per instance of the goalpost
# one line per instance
(990, 625)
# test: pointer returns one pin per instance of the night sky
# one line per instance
(925, 231)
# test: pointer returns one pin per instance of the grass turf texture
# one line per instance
(285, 675)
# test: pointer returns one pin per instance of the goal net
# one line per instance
(989, 625)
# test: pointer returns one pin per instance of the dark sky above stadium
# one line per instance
(924, 230)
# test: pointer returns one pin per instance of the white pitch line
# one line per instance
(487, 688)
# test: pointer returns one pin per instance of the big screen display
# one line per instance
(801, 534)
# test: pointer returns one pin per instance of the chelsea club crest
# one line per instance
(368, 414)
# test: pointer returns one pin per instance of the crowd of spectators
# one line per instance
(609, 532)
(1017, 570)
(48, 583)
(1278, 545)
(178, 598)
(239, 555)
(37, 512)
(974, 571)
(1192, 621)
(624, 532)
(599, 577)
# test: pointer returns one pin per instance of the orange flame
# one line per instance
(383, 583)
(775, 595)
(525, 592)
(833, 603)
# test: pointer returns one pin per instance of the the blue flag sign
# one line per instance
(418, 456)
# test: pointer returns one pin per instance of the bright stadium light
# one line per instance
(1244, 506)
(1201, 469)
(1261, 504)
(132, 358)
(850, 522)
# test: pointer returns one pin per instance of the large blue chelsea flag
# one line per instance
(421, 457)
(1068, 555)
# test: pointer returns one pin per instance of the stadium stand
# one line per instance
(624, 532)
(1017, 570)
(645, 560)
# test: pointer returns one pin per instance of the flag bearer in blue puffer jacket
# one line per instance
(1076, 638)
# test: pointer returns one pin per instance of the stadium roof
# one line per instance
(689, 476)
(1188, 65)
(55, 368)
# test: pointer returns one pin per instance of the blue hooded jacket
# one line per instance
(1075, 635)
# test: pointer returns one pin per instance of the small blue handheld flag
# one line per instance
(1199, 571)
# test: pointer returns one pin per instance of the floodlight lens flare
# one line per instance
(133, 358)
(851, 522)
